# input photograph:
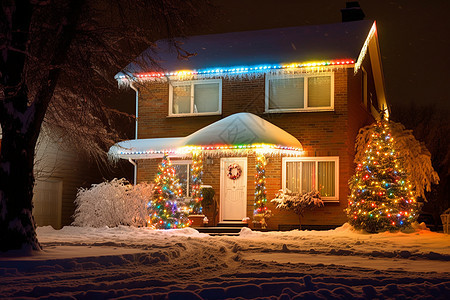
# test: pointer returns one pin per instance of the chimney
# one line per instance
(352, 12)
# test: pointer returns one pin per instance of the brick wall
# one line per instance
(321, 134)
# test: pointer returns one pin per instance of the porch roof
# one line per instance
(241, 132)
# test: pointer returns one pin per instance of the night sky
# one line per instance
(413, 35)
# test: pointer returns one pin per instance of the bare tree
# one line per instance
(56, 65)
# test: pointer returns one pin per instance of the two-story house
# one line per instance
(296, 96)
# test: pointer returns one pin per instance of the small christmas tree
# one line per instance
(164, 209)
(382, 196)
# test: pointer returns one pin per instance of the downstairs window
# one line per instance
(305, 174)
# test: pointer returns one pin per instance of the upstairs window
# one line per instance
(305, 174)
(299, 92)
(198, 97)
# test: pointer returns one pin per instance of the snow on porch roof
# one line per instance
(271, 46)
(235, 133)
(242, 129)
(145, 148)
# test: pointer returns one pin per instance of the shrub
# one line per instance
(112, 203)
(297, 202)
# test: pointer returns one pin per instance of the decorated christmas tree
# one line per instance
(165, 209)
(382, 196)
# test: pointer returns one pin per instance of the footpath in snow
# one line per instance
(124, 262)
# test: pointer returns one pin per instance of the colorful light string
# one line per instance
(266, 148)
(260, 212)
(236, 70)
(196, 182)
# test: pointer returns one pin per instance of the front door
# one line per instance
(233, 189)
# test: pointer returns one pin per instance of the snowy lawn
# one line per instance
(126, 262)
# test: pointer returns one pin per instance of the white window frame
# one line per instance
(186, 163)
(305, 90)
(316, 160)
(192, 83)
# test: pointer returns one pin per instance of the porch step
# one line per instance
(222, 230)
(232, 224)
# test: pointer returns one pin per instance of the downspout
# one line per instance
(136, 110)
(136, 130)
(135, 169)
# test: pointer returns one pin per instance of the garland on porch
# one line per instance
(196, 178)
(165, 211)
(261, 212)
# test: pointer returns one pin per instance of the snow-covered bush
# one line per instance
(112, 203)
(297, 202)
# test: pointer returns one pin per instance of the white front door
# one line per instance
(233, 191)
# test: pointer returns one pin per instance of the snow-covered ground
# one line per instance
(127, 262)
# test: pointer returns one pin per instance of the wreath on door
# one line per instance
(234, 171)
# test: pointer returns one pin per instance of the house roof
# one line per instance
(270, 46)
(238, 132)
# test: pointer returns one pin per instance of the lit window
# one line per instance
(183, 173)
(305, 174)
(198, 97)
(299, 92)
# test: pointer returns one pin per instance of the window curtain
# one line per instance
(326, 174)
(206, 97)
(308, 176)
(286, 93)
(293, 176)
(319, 91)
(181, 99)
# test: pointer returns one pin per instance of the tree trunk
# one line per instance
(21, 118)
(17, 226)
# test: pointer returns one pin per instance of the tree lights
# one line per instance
(164, 209)
(260, 211)
(196, 175)
(382, 196)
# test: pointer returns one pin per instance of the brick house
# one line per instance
(315, 84)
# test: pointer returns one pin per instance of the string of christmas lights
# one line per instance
(236, 70)
(165, 211)
(260, 211)
(381, 196)
(196, 179)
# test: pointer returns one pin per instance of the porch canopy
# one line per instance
(235, 134)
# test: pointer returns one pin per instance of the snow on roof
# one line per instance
(241, 129)
(145, 148)
(236, 132)
(270, 46)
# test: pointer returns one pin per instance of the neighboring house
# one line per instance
(317, 84)
(59, 172)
